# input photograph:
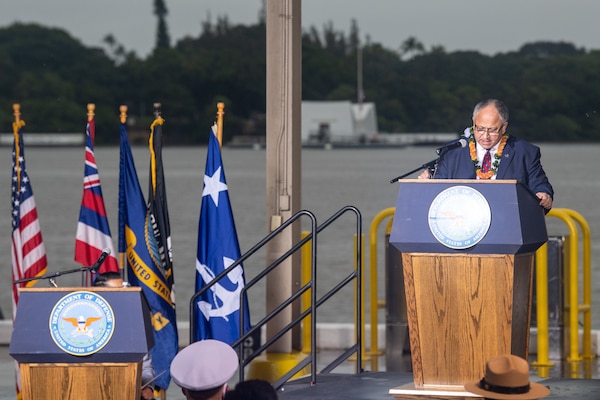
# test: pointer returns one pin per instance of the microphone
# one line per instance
(94, 268)
(451, 145)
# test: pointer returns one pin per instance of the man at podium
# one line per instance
(114, 280)
(487, 151)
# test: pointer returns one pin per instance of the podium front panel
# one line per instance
(32, 341)
(517, 222)
(463, 311)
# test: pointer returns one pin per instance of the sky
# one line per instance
(486, 26)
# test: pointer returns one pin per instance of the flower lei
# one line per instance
(473, 151)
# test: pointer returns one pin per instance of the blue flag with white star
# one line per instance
(217, 312)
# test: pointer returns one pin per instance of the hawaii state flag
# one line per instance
(27, 247)
(93, 233)
(137, 242)
(217, 312)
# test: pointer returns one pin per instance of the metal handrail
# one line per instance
(572, 300)
(244, 359)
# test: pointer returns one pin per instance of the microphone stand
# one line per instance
(53, 275)
(431, 165)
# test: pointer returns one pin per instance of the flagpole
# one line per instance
(86, 277)
(123, 119)
(220, 113)
(157, 120)
(16, 125)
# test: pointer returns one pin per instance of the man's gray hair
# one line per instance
(500, 106)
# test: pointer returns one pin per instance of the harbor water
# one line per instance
(331, 179)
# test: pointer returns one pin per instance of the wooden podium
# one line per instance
(47, 361)
(468, 255)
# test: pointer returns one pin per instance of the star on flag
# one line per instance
(213, 186)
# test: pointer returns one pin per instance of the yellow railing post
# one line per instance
(586, 306)
(305, 297)
(572, 283)
(373, 292)
(541, 281)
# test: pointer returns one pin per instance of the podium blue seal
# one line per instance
(81, 323)
(459, 217)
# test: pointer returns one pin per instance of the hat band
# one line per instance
(503, 389)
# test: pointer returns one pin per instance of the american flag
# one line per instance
(27, 250)
(93, 233)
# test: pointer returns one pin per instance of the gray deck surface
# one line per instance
(364, 386)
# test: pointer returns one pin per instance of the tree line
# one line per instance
(551, 88)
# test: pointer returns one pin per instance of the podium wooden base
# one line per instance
(80, 381)
(411, 392)
(464, 310)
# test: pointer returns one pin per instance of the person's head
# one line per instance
(252, 389)
(108, 279)
(203, 369)
(490, 120)
(507, 378)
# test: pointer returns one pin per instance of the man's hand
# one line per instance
(147, 393)
(545, 200)
(425, 174)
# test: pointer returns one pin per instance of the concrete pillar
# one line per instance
(283, 148)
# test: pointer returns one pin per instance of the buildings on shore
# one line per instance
(343, 124)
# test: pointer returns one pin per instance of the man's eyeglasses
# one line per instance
(480, 130)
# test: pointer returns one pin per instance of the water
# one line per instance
(330, 181)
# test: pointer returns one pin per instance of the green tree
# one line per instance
(552, 89)
(411, 46)
(163, 41)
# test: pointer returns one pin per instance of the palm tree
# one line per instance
(411, 46)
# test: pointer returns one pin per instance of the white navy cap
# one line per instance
(204, 365)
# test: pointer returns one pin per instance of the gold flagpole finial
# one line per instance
(90, 111)
(123, 115)
(19, 123)
(220, 113)
(17, 112)
(16, 126)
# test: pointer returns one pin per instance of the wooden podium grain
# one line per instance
(48, 372)
(80, 380)
(469, 305)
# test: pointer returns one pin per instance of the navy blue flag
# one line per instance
(157, 204)
(136, 240)
(217, 312)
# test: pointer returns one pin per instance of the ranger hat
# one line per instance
(507, 377)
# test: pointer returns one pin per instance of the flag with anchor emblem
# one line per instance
(144, 269)
(217, 312)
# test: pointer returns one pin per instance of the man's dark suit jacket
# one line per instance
(520, 161)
